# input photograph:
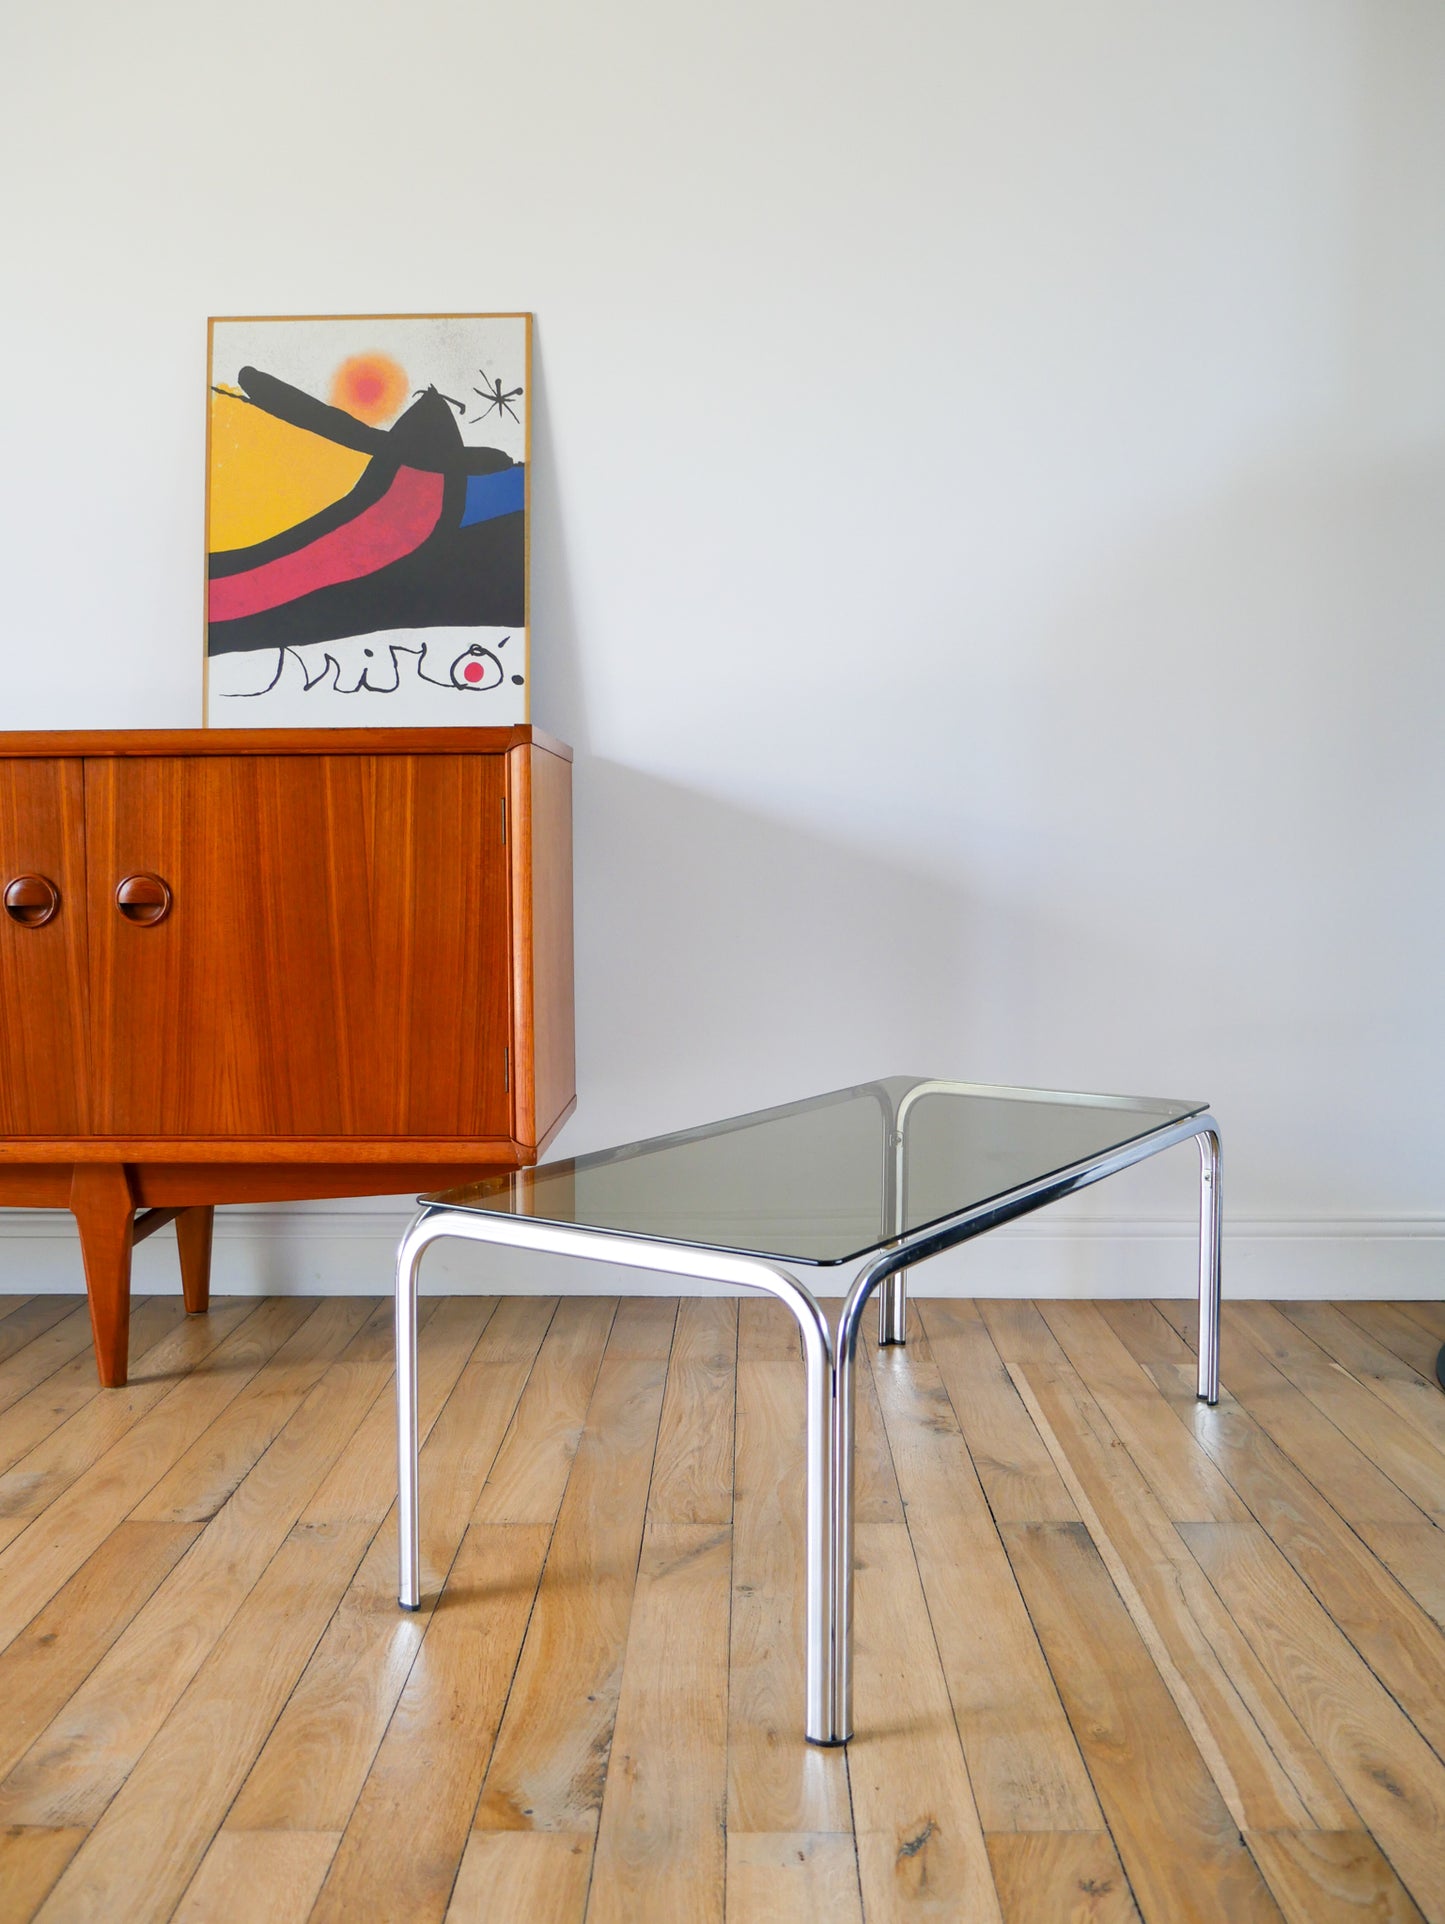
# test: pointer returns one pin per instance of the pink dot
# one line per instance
(473, 671)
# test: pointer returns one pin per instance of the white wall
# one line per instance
(989, 503)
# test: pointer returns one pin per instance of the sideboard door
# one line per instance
(314, 945)
(42, 948)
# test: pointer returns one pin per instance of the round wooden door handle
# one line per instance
(31, 900)
(143, 898)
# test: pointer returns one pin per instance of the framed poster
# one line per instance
(367, 520)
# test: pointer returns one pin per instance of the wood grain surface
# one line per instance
(1120, 1659)
(335, 962)
(43, 1079)
(539, 831)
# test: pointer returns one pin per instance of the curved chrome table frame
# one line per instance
(830, 1361)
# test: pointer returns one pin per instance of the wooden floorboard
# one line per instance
(1119, 1657)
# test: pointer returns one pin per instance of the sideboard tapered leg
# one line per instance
(103, 1204)
(193, 1239)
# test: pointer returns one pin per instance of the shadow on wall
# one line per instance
(1166, 828)
(727, 960)
(724, 959)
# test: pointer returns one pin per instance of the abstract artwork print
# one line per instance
(366, 521)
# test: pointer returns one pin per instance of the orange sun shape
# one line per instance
(370, 386)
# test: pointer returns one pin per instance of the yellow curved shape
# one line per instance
(267, 475)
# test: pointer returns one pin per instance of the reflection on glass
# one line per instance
(822, 1181)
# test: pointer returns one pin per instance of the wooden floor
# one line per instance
(1118, 1656)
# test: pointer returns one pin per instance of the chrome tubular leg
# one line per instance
(893, 1308)
(845, 1364)
(556, 1239)
(842, 1534)
(893, 1290)
(408, 1267)
(1211, 1220)
(819, 1723)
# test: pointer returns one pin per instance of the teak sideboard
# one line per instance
(255, 966)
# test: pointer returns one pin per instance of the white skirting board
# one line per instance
(332, 1250)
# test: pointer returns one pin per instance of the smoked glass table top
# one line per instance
(831, 1179)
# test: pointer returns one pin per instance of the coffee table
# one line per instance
(870, 1180)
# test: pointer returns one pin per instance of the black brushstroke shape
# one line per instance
(303, 410)
(426, 436)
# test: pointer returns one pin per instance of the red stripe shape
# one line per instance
(392, 527)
